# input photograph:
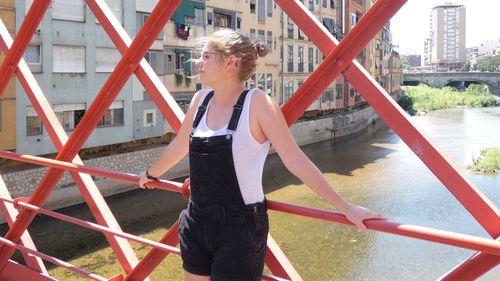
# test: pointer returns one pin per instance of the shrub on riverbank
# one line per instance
(488, 161)
(423, 98)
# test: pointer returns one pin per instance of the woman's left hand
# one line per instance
(357, 214)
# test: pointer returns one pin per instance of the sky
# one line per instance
(410, 26)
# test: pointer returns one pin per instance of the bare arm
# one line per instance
(273, 125)
(177, 149)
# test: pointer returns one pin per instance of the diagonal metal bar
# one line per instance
(469, 195)
(23, 38)
(278, 263)
(86, 185)
(10, 214)
(472, 268)
(340, 57)
(161, 13)
(155, 256)
(144, 72)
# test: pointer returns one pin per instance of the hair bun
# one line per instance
(261, 48)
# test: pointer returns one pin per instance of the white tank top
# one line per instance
(248, 154)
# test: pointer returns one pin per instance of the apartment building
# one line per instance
(445, 46)
(72, 57)
(8, 97)
(300, 56)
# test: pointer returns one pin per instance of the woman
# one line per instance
(227, 132)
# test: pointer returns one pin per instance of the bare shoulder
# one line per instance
(262, 102)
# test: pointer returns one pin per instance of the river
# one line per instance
(376, 170)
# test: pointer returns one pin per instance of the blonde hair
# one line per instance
(229, 42)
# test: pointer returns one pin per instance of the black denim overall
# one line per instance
(220, 236)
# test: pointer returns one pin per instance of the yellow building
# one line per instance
(8, 98)
(301, 57)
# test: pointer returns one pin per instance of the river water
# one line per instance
(376, 170)
(380, 172)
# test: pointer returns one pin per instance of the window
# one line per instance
(301, 59)
(33, 54)
(325, 4)
(71, 10)
(106, 59)
(114, 116)
(252, 34)
(262, 82)
(269, 8)
(317, 56)
(262, 35)
(269, 85)
(252, 81)
(311, 5)
(222, 20)
(33, 123)
(340, 92)
(155, 59)
(252, 6)
(310, 60)
(69, 115)
(270, 41)
(262, 10)
(288, 91)
(290, 28)
(68, 59)
(169, 63)
(149, 118)
(332, 4)
(353, 20)
(199, 17)
(290, 58)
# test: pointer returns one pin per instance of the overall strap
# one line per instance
(202, 108)
(238, 108)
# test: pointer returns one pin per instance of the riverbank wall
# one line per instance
(22, 183)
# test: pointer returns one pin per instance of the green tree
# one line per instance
(490, 63)
(404, 64)
(466, 67)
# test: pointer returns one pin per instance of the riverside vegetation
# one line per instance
(488, 161)
(422, 98)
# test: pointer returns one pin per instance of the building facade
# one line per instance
(71, 57)
(8, 98)
(445, 46)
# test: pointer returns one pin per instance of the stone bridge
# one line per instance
(460, 80)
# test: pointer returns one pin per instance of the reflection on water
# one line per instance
(380, 172)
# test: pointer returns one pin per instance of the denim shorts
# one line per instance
(226, 243)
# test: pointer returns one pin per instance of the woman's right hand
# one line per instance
(143, 179)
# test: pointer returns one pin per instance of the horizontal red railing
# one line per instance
(413, 231)
(52, 260)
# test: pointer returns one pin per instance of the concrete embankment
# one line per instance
(22, 183)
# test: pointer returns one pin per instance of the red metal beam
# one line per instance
(12, 245)
(470, 196)
(15, 272)
(86, 185)
(129, 62)
(23, 38)
(129, 178)
(144, 72)
(413, 231)
(472, 268)
(428, 234)
(10, 214)
(91, 225)
(278, 263)
(483, 210)
(155, 257)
